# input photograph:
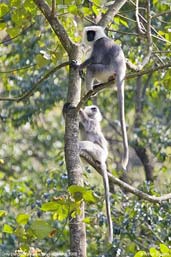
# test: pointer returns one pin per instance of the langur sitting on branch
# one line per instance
(105, 62)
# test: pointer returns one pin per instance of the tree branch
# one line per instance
(18, 69)
(111, 12)
(99, 87)
(18, 35)
(53, 7)
(140, 26)
(161, 14)
(149, 39)
(56, 25)
(95, 90)
(35, 85)
(127, 187)
(143, 31)
(160, 37)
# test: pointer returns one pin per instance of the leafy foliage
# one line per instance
(36, 203)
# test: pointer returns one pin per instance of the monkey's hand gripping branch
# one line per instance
(75, 65)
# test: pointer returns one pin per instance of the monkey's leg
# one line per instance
(89, 80)
(101, 72)
(89, 148)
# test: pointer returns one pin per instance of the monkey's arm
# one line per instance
(82, 65)
(85, 63)
(84, 117)
(85, 120)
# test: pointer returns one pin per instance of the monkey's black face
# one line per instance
(93, 109)
(90, 35)
(93, 112)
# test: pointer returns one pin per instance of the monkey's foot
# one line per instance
(96, 86)
(112, 77)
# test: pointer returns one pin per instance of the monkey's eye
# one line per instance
(94, 109)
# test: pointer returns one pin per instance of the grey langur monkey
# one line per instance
(95, 146)
(105, 62)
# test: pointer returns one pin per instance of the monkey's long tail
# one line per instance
(121, 101)
(107, 201)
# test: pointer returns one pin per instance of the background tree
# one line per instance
(36, 204)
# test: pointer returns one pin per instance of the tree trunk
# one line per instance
(141, 151)
(146, 161)
(77, 226)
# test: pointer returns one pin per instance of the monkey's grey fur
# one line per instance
(106, 60)
(94, 145)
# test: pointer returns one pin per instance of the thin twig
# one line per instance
(111, 12)
(161, 14)
(139, 24)
(149, 38)
(53, 8)
(18, 35)
(35, 85)
(18, 69)
(159, 37)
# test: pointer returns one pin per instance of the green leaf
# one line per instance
(97, 2)
(87, 220)
(7, 229)
(74, 188)
(15, 2)
(20, 232)
(2, 213)
(2, 175)
(4, 8)
(50, 206)
(140, 254)
(41, 228)
(154, 252)
(89, 197)
(40, 60)
(95, 10)
(22, 219)
(164, 248)
(117, 20)
(2, 25)
(13, 31)
(124, 23)
(73, 9)
(61, 214)
(77, 192)
(29, 6)
(86, 11)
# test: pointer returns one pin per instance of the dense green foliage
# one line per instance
(35, 200)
